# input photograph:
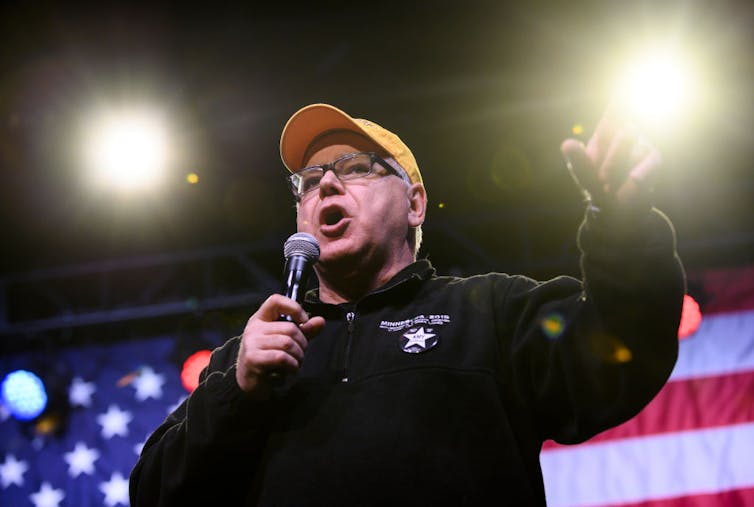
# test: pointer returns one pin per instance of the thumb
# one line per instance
(312, 327)
(580, 165)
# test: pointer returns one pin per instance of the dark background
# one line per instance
(483, 92)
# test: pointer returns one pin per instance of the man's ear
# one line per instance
(417, 204)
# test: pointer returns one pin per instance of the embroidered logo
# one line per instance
(418, 340)
(418, 334)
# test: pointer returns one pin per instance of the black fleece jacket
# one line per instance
(434, 390)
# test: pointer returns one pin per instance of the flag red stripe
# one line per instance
(732, 498)
(723, 290)
(685, 405)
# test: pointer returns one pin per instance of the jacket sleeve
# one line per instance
(588, 355)
(214, 437)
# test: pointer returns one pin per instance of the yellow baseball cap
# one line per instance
(313, 120)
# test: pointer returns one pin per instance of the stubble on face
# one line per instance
(373, 240)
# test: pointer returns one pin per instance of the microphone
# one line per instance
(301, 251)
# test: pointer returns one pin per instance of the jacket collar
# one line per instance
(409, 276)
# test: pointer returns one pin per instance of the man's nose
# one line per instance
(330, 184)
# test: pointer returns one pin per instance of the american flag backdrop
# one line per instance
(692, 446)
(118, 395)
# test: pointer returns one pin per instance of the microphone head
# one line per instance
(302, 244)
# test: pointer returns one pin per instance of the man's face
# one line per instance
(360, 222)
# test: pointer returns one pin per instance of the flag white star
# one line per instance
(148, 384)
(47, 496)
(114, 422)
(418, 337)
(81, 460)
(171, 408)
(12, 471)
(138, 447)
(80, 393)
(115, 490)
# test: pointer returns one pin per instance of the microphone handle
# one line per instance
(296, 269)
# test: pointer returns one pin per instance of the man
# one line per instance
(406, 388)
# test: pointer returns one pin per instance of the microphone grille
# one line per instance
(302, 243)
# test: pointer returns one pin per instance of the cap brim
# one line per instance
(307, 124)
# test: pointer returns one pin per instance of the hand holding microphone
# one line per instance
(276, 336)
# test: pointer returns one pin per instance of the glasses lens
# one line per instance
(354, 166)
(306, 180)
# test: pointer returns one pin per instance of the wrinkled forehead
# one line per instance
(330, 145)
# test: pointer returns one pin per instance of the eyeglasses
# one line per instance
(347, 167)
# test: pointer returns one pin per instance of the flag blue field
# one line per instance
(118, 395)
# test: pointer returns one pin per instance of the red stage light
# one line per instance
(192, 367)
(691, 317)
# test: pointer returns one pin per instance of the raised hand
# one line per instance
(616, 168)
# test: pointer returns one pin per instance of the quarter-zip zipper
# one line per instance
(350, 317)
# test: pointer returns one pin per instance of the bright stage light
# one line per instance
(24, 394)
(657, 87)
(128, 150)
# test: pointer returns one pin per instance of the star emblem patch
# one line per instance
(418, 340)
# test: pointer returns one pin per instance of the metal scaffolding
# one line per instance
(56, 302)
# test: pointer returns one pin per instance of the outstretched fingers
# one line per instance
(580, 166)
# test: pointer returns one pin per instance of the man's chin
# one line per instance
(335, 256)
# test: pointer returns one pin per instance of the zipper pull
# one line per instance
(350, 316)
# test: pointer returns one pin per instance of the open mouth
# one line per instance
(332, 216)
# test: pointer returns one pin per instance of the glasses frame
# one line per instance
(294, 178)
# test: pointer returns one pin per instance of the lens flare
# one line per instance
(553, 325)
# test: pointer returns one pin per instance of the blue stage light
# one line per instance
(24, 394)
